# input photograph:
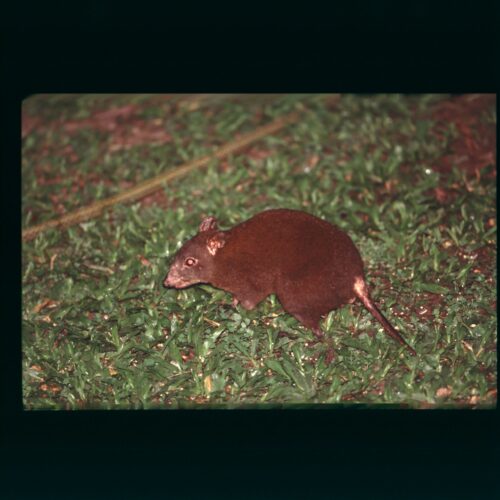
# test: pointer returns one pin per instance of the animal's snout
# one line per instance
(174, 280)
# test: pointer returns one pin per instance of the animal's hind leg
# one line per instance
(309, 320)
(312, 321)
(311, 317)
(308, 315)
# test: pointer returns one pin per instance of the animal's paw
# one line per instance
(318, 333)
(248, 304)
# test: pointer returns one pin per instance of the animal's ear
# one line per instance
(218, 240)
(208, 223)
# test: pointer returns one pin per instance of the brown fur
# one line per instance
(311, 265)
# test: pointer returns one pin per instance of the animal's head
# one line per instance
(195, 261)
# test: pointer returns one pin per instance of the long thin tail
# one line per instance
(361, 291)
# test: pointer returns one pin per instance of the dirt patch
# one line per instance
(475, 147)
(124, 126)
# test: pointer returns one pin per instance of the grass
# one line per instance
(99, 331)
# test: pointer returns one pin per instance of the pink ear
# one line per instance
(215, 242)
(208, 223)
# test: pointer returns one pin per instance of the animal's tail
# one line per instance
(361, 291)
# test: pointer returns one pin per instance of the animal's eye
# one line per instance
(190, 261)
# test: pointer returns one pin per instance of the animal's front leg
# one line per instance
(248, 300)
(245, 303)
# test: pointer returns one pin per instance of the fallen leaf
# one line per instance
(40, 306)
(492, 393)
(443, 195)
(186, 357)
(467, 346)
(52, 260)
(312, 161)
(211, 322)
(443, 392)
(45, 303)
(54, 388)
(144, 261)
(207, 382)
(390, 184)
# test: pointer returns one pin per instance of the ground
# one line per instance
(410, 178)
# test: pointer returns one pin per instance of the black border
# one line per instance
(387, 48)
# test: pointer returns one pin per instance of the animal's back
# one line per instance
(295, 243)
